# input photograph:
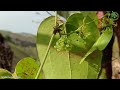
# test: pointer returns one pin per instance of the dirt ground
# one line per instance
(116, 61)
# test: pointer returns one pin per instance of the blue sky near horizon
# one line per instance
(21, 21)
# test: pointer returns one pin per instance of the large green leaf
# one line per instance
(91, 14)
(27, 69)
(104, 39)
(101, 42)
(91, 67)
(5, 74)
(65, 64)
(57, 64)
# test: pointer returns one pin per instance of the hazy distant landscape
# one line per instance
(22, 44)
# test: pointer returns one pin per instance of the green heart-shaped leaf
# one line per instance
(27, 69)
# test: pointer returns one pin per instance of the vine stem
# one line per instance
(44, 59)
(55, 18)
(47, 51)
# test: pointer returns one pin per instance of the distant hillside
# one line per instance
(22, 44)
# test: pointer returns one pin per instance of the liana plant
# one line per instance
(67, 50)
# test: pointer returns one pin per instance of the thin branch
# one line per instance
(49, 13)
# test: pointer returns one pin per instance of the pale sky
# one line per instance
(21, 21)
